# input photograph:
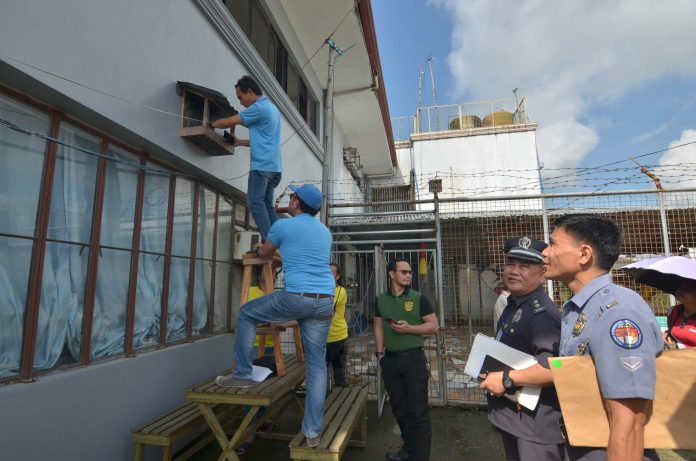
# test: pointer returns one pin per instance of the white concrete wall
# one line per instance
(476, 166)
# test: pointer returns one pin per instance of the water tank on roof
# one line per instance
(464, 122)
(498, 118)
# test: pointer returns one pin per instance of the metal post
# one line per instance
(328, 131)
(665, 233)
(440, 340)
(547, 237)
(438, 249)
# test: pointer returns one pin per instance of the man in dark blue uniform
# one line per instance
(530, 323)
(612, 324)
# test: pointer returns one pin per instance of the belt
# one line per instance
(389, 353)
(314, 295)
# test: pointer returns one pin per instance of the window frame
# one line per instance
(40, 239)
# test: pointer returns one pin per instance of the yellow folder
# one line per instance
(673, 412)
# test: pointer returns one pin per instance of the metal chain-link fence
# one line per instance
(472, 235)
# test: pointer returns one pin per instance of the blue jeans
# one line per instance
(314, 317)
(260, 199)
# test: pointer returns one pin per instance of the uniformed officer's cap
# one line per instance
(525, 248)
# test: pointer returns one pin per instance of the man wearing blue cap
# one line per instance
(305, 246)
(530, 323)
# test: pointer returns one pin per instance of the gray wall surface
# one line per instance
(137, 51)
(87, 413)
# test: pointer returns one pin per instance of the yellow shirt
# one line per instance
(256, 292)
(339, 326)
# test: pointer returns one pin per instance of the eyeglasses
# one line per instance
(404, 271)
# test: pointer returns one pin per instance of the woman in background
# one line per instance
(338, 333)
(681, 320)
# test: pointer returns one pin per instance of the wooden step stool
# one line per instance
(273, 329)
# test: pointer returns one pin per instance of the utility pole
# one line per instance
(432, 79)
(328, 128)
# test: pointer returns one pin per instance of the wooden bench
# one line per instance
(273, 394)
(177, 424)
(344, 408)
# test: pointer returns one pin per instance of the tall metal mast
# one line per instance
(328, 128)
(419, 112)
(432, 79)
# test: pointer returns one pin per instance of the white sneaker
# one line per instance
(313, 442)
(231, 381)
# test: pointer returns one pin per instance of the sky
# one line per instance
(605, 80)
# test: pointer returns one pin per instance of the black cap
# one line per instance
(525, 248)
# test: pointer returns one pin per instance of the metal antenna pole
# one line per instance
(419, 112)
(432, 79)
(328, 129)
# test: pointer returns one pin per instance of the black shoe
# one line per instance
(400, 455)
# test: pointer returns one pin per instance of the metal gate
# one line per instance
(363, 245)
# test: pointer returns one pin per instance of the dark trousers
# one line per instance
(406, 378)
(336, 356)
(517, 449)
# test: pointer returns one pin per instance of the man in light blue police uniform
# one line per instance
(612, 324)
(305, 245)
(263, 120)
(530, 323)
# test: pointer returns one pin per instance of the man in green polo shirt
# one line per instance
(402, 318)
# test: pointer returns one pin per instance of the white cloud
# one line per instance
(677, 166)
(652, 133)
(567, 57)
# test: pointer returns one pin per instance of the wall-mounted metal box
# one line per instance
(200, 106)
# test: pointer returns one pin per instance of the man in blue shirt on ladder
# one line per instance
(305, 246)
(262, 119)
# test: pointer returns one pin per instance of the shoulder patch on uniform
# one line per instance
(612, 304)
(626, 334)
(537, 307)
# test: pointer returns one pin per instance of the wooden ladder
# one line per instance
(250, 261)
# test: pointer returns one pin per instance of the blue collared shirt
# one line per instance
(263, 120)
(305, 247)
(618, 329)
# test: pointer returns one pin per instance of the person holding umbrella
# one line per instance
(675, 275)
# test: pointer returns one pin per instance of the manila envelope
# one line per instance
(673, 410)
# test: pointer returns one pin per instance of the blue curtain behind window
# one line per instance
(21, 166)
(61, 309)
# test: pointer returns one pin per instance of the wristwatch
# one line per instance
(508, 383)
(379, 354)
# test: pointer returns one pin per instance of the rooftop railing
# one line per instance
(461, 117)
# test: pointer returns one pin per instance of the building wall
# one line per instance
(474, 165)
(87, 413)
(137, 51)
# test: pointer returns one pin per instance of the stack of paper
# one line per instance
(489, 355)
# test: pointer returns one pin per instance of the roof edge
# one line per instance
(368, 26)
